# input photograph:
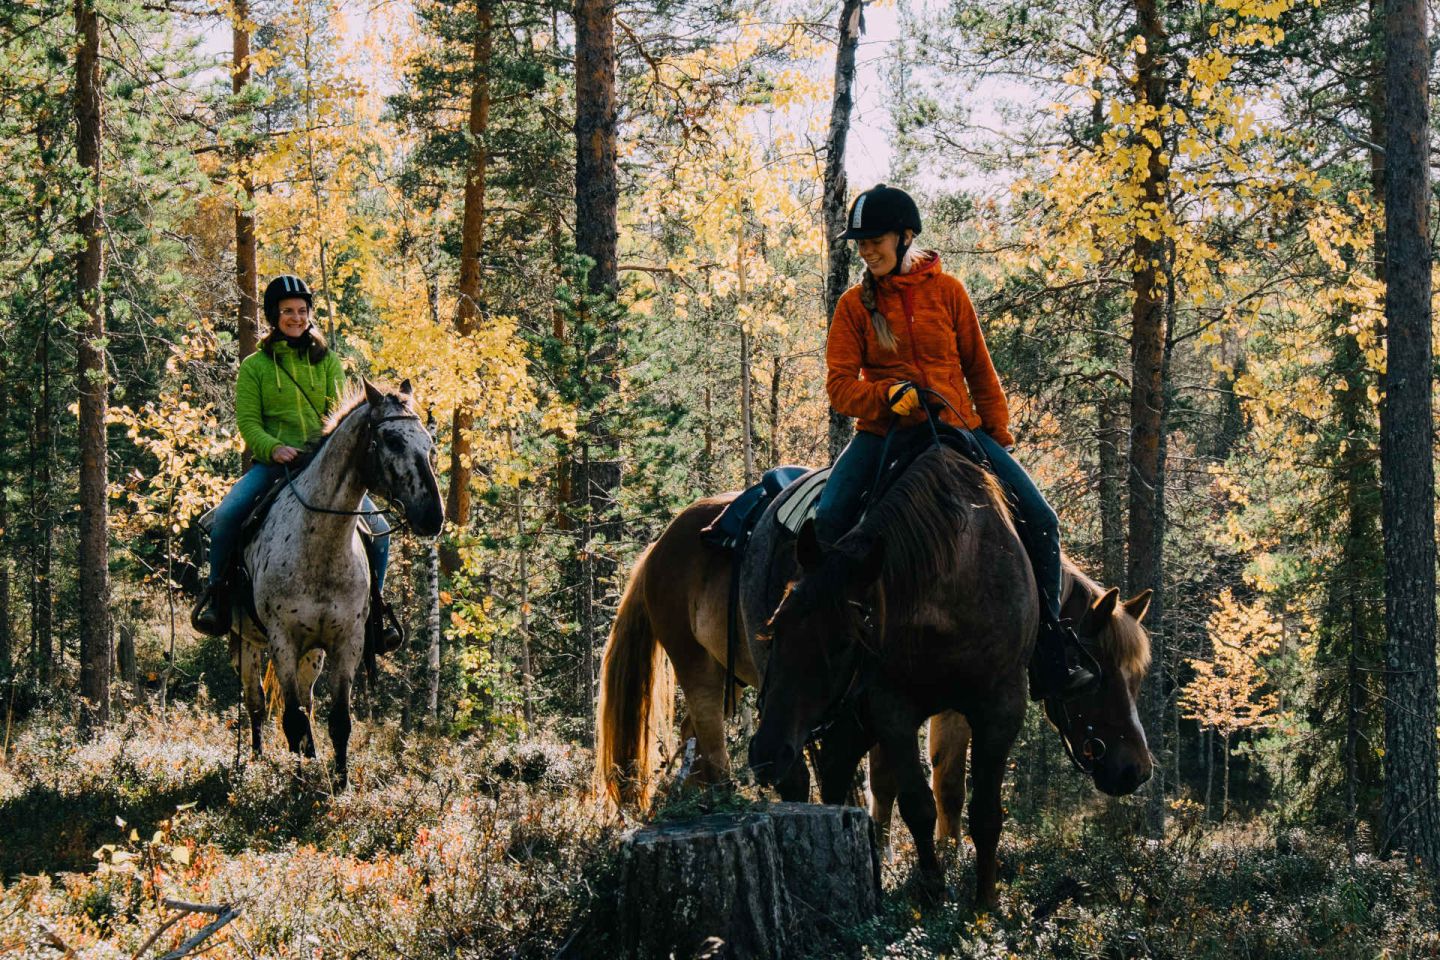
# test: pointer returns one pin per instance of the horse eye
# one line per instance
(395, 444)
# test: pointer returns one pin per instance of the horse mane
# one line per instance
(919, 519)
(353, 399)
(1123, 642)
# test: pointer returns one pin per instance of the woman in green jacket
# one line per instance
(284, 392)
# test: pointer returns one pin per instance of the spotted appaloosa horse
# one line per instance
(308, 568)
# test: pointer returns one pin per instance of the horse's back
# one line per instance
(686, 585)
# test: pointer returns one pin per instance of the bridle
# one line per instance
(1092, 748)
(837, 706)
(370, 473)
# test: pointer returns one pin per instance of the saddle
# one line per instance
(736, 522)
(236, 588)
(792, 494)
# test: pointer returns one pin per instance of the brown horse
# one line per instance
(674, 609)
(1123, 650)
(928, 605)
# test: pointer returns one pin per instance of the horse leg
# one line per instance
(794, 787)
(252, 670)
(949, 745)
(339, 720)
(883, 788)
(294, 720)
(841, 749)
(311, 663)
(917, 804)
(990, 745)
(702, 680)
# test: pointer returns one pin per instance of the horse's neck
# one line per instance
(333, 480)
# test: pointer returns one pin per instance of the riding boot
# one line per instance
(382, 627)
(211, 614)
(1060, 666)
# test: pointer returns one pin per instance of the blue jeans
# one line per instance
(241, 499)
(1039, 527)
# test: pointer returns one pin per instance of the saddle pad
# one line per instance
(732, 528)
(801, 500)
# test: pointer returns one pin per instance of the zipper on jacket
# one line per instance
(909, 307)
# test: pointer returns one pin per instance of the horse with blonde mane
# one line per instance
(674, 616)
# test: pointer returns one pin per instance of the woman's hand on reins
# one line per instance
(284, 454)
(904, 398)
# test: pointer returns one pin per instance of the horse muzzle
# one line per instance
(1120, 777)
(770, 762)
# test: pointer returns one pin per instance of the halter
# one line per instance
(371, 472)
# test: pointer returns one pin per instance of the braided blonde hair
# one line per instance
(869, 290)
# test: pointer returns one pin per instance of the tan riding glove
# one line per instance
(906, 403)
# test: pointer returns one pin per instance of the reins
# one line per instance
(398, 518)
(930, 418)
(1093, 747)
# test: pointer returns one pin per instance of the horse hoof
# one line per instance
(930, 888)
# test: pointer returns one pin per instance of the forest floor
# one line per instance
(447, 848)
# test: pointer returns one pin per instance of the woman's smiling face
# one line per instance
(879, 252)
(294, 316)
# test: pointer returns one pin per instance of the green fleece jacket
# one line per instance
(269, 408)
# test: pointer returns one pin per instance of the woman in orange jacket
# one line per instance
(907, 324)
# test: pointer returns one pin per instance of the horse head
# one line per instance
(400, 458)
(1101, 730)
(817, 638)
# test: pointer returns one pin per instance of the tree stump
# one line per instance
(831, 863)
(748, 885)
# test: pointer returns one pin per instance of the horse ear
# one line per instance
(405, 389)
(373, 396)
(872, 564)
(1104, 608)
(1139, 605)
(807, 548)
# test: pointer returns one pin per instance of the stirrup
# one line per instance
(384, 626)
(1066, 669)
(211, 613)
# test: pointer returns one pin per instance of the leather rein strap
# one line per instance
(370, 426)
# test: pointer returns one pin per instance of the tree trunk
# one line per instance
(7, 653)
(247, 275)
(832, 865)
(597, 194)
(1225, 766)
(1111, 435)
(759, 882)
(777, 373)
(747, 403)
(1147, 399)
(527, 668)
(42, 453)
(718, 876)
(837, 270)
(94, 553)
(1407, 464)
(431, 591)
(472, 238)
(125, 652)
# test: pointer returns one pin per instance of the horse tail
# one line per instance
(274, 696)
(637, 702)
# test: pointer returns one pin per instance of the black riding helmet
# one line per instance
(880, 210)
(283, 288)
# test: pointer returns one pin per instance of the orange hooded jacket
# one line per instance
(938, 345)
